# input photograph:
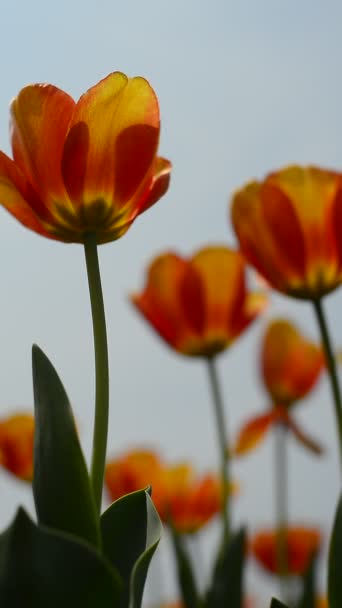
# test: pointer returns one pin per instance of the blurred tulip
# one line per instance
(289, 228)
(301, 543)
(199, 306)
(291, 366)
(16, 445)
(85, 167)
(181, 496)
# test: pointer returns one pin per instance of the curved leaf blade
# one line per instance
(227, 582)
(40, 567)
(139, 573)
(61, 485)
(131, 531)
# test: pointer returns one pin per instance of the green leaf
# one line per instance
(277, 604)
(186, 577)
(226, 585)
(307, 599)
(41, 568)
(131, 531)
(335, 561)
(61, 485)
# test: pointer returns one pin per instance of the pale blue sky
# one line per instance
(244, 88)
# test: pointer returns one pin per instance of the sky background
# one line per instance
(244, 88)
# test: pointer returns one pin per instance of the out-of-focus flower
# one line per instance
(302, 544)
(289, 226)
(84, 167)
(181, 496)
(291, 366)
(16, 445)
(191, 501)
(133, 471)
(199, 305)
(322, 602)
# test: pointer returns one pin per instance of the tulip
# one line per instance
(289, 227)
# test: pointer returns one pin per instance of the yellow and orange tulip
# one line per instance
(302, 544)
(289, 226)
(179, 494)
(16, 445)
(85, 167)
(200, 305)
(291, 366)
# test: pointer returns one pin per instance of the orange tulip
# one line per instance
(190, 501)
(85, 167)
(302, 544)
(16, 445)
(289, 227)
(179, 495)
(291, 366)
(133, 471)
(199, 305)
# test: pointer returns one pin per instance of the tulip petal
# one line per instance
(18, 197)
(222, 273)
(159, 302)
(115, 130)
(41, 115)
(283, 224)
(312, 193)
(305, 439)
(253, 432)
(159, 184)
(257, 239)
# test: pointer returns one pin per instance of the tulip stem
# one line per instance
(331, 364)
(281, 500)
(223, 445)
(101, 368)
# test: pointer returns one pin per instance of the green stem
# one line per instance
(223, 444)
(281, 500)
(331, 363)
(101, 368)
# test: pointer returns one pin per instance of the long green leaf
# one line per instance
(61, 485)
(43, 568)
(335, 561)
(185, 573)
(225, 588)
(308, 596)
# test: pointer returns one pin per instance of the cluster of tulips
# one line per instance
(82, 173)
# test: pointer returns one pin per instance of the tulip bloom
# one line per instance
(291, 366)
(85, 167)
(301, 543)
(199, 305)
(16, 445)
(289, 228)
(180, 496)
